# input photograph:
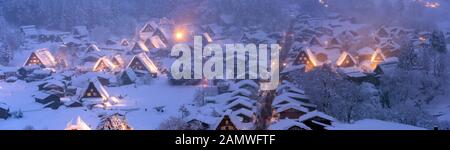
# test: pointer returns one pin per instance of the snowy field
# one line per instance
(371, 124)
(138, 106)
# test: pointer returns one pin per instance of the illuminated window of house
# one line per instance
(91, 93)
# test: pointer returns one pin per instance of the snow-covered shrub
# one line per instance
(173, 123)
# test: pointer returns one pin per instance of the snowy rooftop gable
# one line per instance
(306, 56)
(242, 102)
(95, 85)
(41, 57)
(241, 92)
(314, 114)
(149, 27)
(345, 60)
(286, 124)
(377, 56)
(124, 42)
(104, 64)
(145, 61)
(92, 48)
(234, 120)
(139, 47)
(79, 125)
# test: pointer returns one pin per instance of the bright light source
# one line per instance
(179, 35)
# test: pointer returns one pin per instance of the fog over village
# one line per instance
(106, 65)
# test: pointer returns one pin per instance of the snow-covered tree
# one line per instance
(114, 122)
(173, 123)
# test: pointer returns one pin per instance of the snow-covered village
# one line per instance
(106, 65)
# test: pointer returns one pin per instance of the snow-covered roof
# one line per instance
(158, 42)
(4, 106)
(146, 61)
(94, 81)
(243, 92)
(79, 125)
(377, 53)
(92, 48)
(104, 61)
(234, 120)
(225, 98)
(208, 119)
(130, 73)
(366, 51)
(139, 47)
(149, 27)
(124, 42)
(291, 106)
(313, 114)
(164, 32)
(310, 55)
(342, 58)
(244, 83)
(243, 111)
(237, 102)
(288, 87)
(283, 99)
(45, 57)
(41, 95)
(118, 59)
(354, 72)
(315, 41)
(53, 83)
(285, 124)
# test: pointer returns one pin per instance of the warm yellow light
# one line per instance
(422, 39)
(179, 35)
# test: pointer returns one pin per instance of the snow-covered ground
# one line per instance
(440, 106)
(371, 124)
(139, 106)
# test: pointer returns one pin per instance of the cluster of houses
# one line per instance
(292, 110)
(315, 44)
(114, 63)
(238, 105)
